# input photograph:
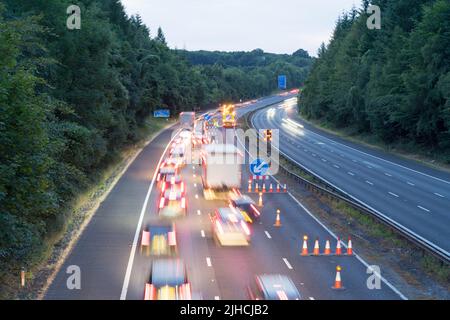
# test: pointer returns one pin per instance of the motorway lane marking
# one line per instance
(345, 246)
(336, 166)
(410, 183)
(196, 196)
(195, 185)
(202, 233)
(287, 263)
(199, 212)
(394, 289)
(424, 209)
(354, 160)
(387, 174)
(387, 161)
(216, 298)
(208, 262)
(268, 234)
(324, 160)
(368, 182)
(439, 195)
(311, 298)
(393, 194)
(351, 173)
(126, 280)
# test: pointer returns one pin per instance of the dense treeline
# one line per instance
(393, 83)
(242, 75)
(70, 100)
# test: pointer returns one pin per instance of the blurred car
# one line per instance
(159, 239)
(246, 205)
(173, 181)
(168, 167)
(273, 287)
(168, 281)
(177, 154)
(230, 227)
(172, 203)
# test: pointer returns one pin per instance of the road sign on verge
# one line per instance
(259, 167)
(161, 113)
(282, 82)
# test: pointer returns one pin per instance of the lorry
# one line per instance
(221, 170)
(228, 116)
(187, 120)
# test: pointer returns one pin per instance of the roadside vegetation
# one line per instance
(71, 102)
(392, 84)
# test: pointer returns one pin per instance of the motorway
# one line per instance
(112, 266)
(413, 196)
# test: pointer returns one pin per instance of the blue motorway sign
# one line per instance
(161, 113)
(282, 82)
(259, 167)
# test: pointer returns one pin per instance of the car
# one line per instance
(173, 180)
(172, 203)
(273, 287)
(230, 227)
(246, 205)
(168, 167)
(177, 154)
(168, 281)
(159, 239)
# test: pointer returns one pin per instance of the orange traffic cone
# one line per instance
(338, 247)
(278, 187)
(349, 247)
(249, 186)
(271, 188)
(257, 187)
(264, 188)
(260, 202)
(285, 188)
(316, 248)
(338, 282)
(327, 251)
(305, 246)
(277, 220)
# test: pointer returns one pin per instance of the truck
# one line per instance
(221, 170)
(187, 120)
(228, 116)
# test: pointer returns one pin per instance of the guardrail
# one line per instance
(334, 194)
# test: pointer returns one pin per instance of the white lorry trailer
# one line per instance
(221, 164)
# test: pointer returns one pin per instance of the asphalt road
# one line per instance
(112, 266)
(412, 195)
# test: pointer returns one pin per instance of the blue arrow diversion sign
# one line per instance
(259, 167)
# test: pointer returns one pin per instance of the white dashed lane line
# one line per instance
(287, 263)
(199, 212)
(422, 208)
(350, 173)
(196, 196)
(388, 174)
(439, 195)
(202, 233)
(268, 235)
(368, 182)
(410, 183)
(336, 166)
(208, 262)
(393, 194)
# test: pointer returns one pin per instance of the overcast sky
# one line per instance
(242, 25)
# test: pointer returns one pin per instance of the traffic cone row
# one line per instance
(266, 188)
(327, 251)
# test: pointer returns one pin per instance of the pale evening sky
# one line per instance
(242, 25)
